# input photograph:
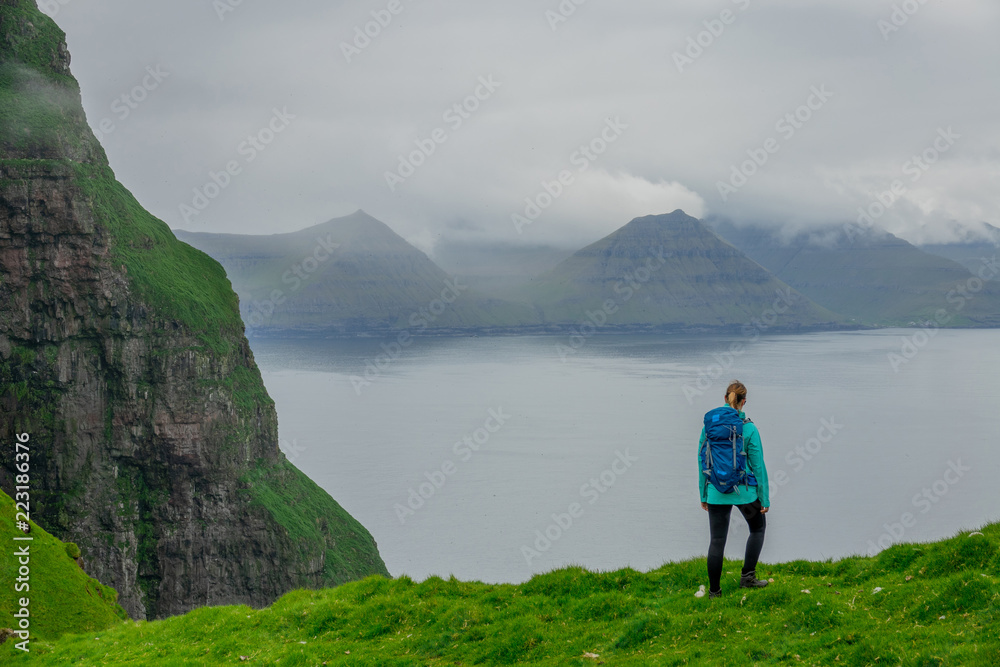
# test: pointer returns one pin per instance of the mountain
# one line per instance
(499, 270)
(349, 275)
(153, 442)
(871, 277)
(971, 247)
(670, 271)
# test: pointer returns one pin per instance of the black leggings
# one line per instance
(718, 521)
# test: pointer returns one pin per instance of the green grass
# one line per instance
(625, 617)
(35, 39)
(315, 520)
(171, 277)
(63, 599)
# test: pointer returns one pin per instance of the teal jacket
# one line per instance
(755, 466)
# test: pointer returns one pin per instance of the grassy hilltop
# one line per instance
(913, 604)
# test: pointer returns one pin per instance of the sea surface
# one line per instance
(492, 459)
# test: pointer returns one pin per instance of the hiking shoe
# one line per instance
(714, 594)
(750, 580)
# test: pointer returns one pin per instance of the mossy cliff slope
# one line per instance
(62, 598)
(122, 354)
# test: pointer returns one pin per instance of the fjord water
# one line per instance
(860, 450)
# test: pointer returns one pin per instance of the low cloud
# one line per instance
(558, 88)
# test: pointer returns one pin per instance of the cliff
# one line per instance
(122, 354)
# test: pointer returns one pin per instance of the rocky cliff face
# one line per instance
(122, 354)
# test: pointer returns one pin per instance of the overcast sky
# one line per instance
(610, 76)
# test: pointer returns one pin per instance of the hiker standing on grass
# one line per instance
(731, 472)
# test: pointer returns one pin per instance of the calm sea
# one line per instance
(495, 458)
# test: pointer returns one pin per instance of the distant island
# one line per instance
(354, 276)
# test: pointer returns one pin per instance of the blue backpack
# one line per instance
(723, 456)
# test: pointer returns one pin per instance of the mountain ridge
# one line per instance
(696, 279)
(871, 277)
(362, 277)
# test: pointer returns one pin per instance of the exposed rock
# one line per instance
(153, 441)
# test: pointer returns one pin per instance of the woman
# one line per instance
(752, 501)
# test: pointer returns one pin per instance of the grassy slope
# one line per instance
(312, 517)
(176, 280)
(63, 598)
(626, 617)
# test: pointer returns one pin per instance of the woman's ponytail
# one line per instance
(736, 393)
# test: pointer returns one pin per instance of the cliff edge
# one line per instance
(122, 354)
